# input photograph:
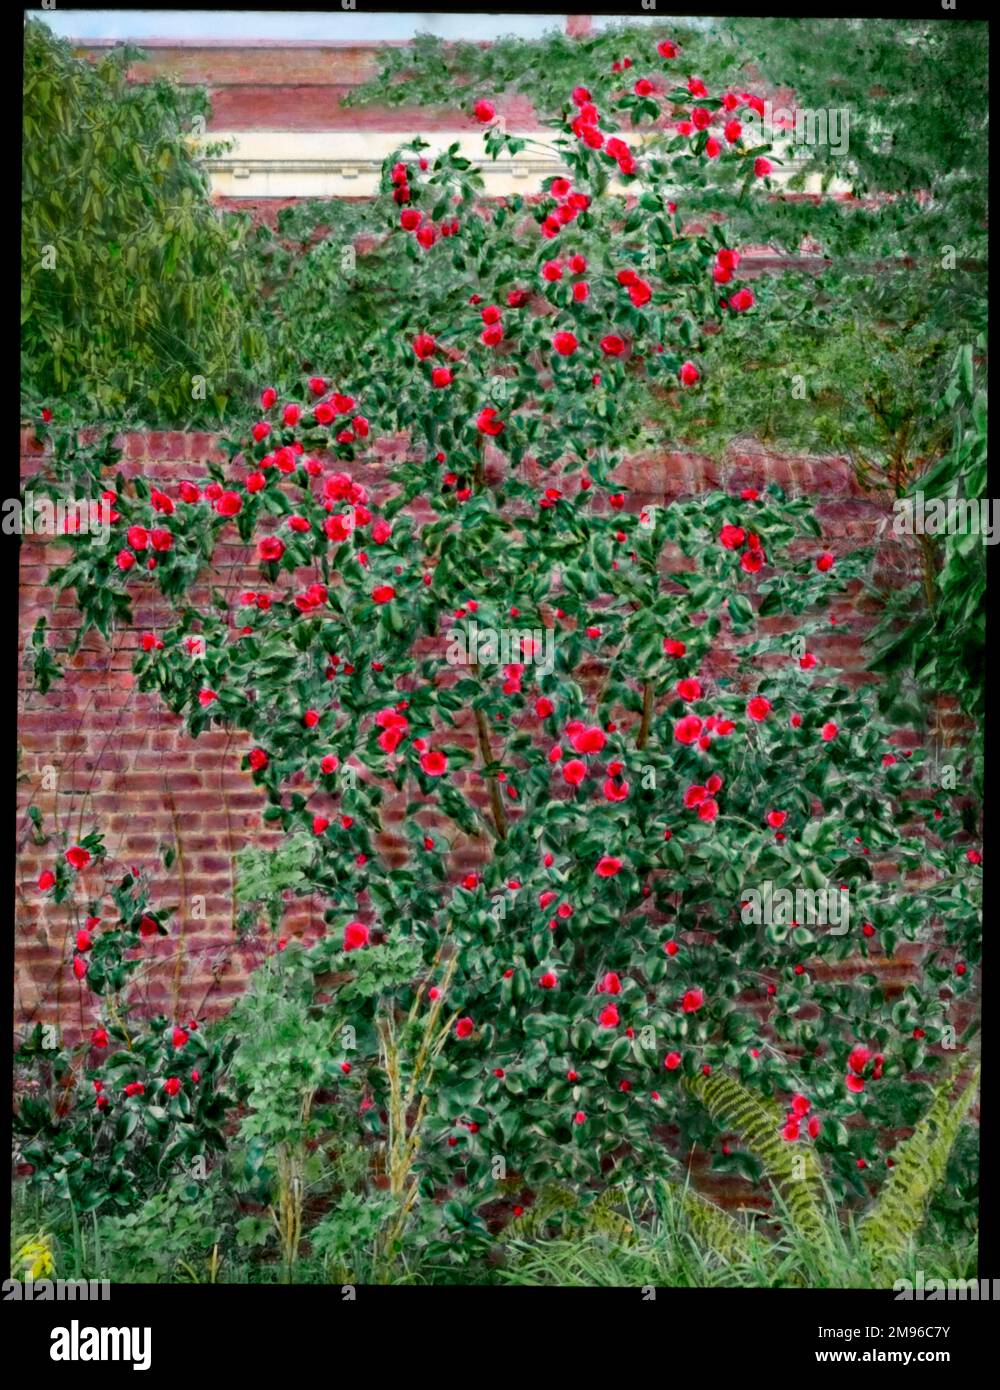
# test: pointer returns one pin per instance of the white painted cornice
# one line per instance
(347, 164)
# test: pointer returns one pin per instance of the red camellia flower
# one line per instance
(99, 1038)
(356, 935)
(172, 1085)
(464, 1028)
(692, 1001)
(673, 648)
(229, 504)
(179, 1037)
(758, 708)
(829, 731)
(732, 536)
(488, 423)
(608, 866)
(424, 346)
(762, 167)
(586, 739)
(548, 980)
(689, 374)
(672, 1061)
(776, 819)
(484, 111)
(824, 562)
(383, 594)
(608, 1017)
(565, 344)
(270, 548)
(686, 730)
(257, 759)
(640, 293)
(741, 300)
(435, 764)
(77, 857)
(574, 771)
(615, 791)
(612, 345)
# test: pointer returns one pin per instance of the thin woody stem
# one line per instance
(647, 714)
(486, 753)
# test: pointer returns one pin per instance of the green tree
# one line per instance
(134, 288)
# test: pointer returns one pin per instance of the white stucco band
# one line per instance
(346, 164)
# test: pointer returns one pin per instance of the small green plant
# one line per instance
(173, 1236)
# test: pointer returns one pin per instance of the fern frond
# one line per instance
(553, 1198)
(792, 1168)
(598, 1215)
(711, 1227)
(920, 1164)
(603, 1216)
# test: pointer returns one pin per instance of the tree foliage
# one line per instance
(134, 288)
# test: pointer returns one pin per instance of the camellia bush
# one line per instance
(536, 753)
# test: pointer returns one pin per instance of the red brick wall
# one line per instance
(121, 763)
(298, 86)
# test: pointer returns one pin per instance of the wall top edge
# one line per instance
(189, 45)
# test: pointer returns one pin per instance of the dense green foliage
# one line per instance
(134, 288)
